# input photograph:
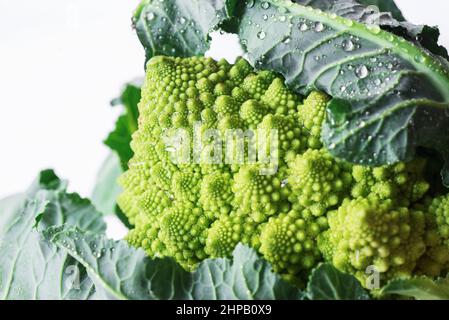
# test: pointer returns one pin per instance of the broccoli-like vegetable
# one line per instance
(192, 193)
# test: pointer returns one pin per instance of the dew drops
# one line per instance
(265, 5)
(265, 17)
(282, 10)
(182, 20)
(362, 72)
(287, 40)
(150, 16)
(250, 3)
(348, 45)
(349, 22)
(261, 35)
(282, 18)
(420, 58)
(374, 28)
(343, 88)
(303, 26)
(377, 82)
(319, 27)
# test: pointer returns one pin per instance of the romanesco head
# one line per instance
(224, 154)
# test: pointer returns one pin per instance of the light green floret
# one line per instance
(402, 182)
(257, 194)
(288, 139)
(436, 260)
(319, 181)
(226, 105)
(257, 84)
(374, 233)
(288, 241)
(240, 70)
(183, 230)
(154, 201)
(280, 98)
(252, 112)
(312, 115)
(146, 236)
(186, 184)
(216, 194)
(229, 230)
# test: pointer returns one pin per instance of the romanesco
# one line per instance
(191, 193)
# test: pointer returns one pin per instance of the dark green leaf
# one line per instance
(328, 283)
(419, 288)
(385, 6)
(120, 139)
(178, 27)
(397, 91)
(122, 217)
(386, 15)
(346, 6)
(30, 267)
(106, 188)
(122, 272)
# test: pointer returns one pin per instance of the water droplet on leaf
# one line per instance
(362, 72)
(265, 5)
(374, 28)
(348, 45)
(261, 35)
(303, 26)
(319, 27)
(150, 16)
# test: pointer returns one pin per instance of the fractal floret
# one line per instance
(225, 155)
(372, 233)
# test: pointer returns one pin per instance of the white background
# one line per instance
(61, 62)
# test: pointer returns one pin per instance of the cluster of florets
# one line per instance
(304, 208)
